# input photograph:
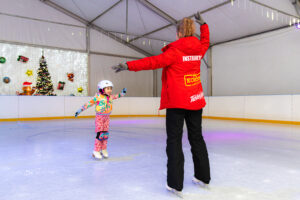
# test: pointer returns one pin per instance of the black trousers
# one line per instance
(174, 124)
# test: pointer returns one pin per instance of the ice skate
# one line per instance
(176, 192)
(200, 183)
(105, 153)
(97, 155)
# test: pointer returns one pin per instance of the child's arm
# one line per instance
(122, 94)
(86, 106)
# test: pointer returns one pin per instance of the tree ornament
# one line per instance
(70, 77)
(2, 60)
(61, 85)
(80, 89)
(6, 80)
(29, 72)
(23, 59)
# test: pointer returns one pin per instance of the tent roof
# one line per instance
(227, 19)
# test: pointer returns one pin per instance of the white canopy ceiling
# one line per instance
(227, 19)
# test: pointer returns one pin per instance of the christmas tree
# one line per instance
(44, 85)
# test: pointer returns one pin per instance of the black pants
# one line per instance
(174, 124)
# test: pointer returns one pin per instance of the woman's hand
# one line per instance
(120, 67)
(199, 19)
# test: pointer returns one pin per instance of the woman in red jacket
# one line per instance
(182, 96)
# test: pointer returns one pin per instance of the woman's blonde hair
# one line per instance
(186, 27)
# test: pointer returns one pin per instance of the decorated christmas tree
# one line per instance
(44, 85)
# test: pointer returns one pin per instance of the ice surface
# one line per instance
(52, 160)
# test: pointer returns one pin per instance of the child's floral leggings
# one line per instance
(101, 128)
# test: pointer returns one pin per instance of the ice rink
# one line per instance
(52, 160)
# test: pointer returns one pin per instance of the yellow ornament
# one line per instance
(80, 89)
(29, 73)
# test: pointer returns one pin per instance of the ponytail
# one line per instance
(186, 27)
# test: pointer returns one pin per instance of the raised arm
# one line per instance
(204, 37)
(121, 94)
(149, 63)
(86, 106)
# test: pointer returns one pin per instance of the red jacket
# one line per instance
(180, 60)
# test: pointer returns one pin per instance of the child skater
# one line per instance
(103, 101)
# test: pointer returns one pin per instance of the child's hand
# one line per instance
(77, 112)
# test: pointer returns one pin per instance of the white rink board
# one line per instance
(226, 106)
(269, 107)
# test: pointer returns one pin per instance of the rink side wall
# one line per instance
(271, 108)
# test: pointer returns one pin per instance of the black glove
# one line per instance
(120, 67)
(76, 114)
(199, 19)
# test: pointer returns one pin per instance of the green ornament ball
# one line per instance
(2, 60)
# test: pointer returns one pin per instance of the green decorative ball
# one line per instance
(2, 60)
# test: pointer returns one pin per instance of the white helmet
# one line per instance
(105, 83)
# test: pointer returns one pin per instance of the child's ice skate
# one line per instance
(97, 155)
(105, 153)
(176, 192)
(200, 183)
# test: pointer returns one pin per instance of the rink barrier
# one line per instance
(79, 117)
(253, 120)
(137, 116)
(280, 109)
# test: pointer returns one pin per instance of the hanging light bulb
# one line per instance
(232, 2)
(267, 14)
(290, 23)
(272, 16)
(127, 39)
(294, 20)
(149, 42)
(144, 42)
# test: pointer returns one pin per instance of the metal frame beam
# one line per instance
(250, 35)
(158, 11)
(262, 32)
(105, 12)
(280, 11)
(99, 29)
(41, 20)
(174, 23)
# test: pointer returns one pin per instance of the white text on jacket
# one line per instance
(191, 58)
(197, 97)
